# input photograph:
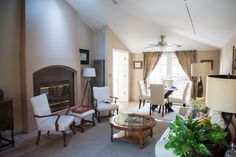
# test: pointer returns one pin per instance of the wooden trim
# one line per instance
(50, 115)
(208, 61)
(137, 64)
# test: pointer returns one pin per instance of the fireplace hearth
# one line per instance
(58, 84)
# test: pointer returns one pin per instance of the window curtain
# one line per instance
(150, 61)
(186, 58)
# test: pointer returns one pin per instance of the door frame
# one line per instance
(126, 52)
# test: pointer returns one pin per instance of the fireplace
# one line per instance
(58, 84)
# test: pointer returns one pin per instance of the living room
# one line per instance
(39, 35)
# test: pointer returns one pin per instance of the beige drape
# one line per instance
(186, 58)
(150, 61)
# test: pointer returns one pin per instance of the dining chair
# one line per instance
(157, 97)
(168, 83)
(144, 95)
(104, 102)
(48, 121)
(181, 100)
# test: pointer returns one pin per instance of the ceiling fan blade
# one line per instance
(154, 45)
(149, 47)
(174, 44)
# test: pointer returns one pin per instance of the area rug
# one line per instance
(95, 142)
(168, 117)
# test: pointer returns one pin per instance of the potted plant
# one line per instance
(193, 138)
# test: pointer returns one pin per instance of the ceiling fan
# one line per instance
(163, 43)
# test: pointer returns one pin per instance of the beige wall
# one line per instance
(9, 56)
(113, 42)
(227, 56)
(54, 34)
(84, 42)
(210, 55)
(137, 74)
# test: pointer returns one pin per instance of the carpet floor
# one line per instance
(95, 142)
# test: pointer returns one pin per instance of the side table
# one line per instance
(6, 121)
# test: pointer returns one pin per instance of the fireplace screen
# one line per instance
(58, 94)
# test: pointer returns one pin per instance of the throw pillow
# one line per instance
(80, 109)
(197, 110)
(216, 118)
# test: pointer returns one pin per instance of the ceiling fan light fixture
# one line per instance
(163, 44)
(115, 2)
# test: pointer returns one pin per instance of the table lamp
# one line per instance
(220, 95)
(199, 70)
(88, 73)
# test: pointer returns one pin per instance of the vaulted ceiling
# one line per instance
(141, 22)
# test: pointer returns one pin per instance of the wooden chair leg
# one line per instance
(143, 102)
(150, 109)
(38, 138)
(82, 125)
(166, 108)
(93, 120)
(99, 118)
(64, 138)
(159, 109)
(73, 127)
(12, 139)
(162, 112)
(109, 113)
(140, 101)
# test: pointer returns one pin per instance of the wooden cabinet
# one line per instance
(6, 121)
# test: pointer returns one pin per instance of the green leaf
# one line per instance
(179, 121)
(215, 136)
(201, 148)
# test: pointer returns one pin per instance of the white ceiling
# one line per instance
(141, 22)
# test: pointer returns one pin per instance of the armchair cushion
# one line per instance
(108, 100)
(49, 124)
(40, 106)
(101, 93)
(106, 106)
(80, 109)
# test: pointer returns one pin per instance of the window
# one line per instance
(169, 67)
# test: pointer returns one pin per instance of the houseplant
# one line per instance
(190, 138)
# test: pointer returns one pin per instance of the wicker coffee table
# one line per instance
(133, 127)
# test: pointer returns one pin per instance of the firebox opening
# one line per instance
(58, 84)
(58, 94)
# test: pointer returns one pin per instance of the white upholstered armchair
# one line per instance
(104, 102)
(47, 121)
(144, 95)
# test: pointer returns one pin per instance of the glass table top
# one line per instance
(134, 120)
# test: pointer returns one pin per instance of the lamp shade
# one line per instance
(200, 69)
(220, 93)
(89, 72)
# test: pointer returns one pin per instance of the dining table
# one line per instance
(168, 91)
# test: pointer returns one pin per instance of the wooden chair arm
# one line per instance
(95, 102)
(68, 110)
(50, 115)
(114, 98)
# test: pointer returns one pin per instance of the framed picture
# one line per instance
(137, 64)
(84, 56)
(208, 61)
(234, 60)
